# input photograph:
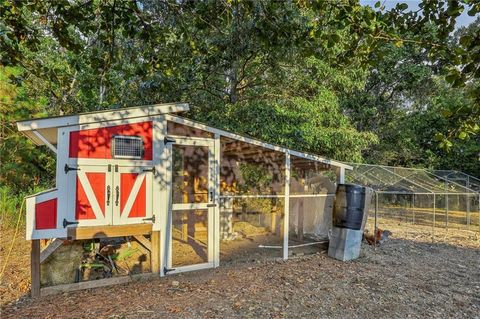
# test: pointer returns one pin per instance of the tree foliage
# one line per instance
(330, 77)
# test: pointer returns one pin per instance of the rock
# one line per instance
(62, 265)
(175, 283)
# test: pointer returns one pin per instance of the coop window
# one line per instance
(127, 147)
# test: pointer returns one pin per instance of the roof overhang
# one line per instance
(47, 127)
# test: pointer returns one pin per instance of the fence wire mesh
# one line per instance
(420, 204)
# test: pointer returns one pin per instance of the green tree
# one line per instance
(21, 162)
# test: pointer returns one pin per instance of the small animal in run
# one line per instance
(378, 238)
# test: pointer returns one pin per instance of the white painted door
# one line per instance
(190, 230)
(132, 195)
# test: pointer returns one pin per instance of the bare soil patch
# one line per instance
(402, 278)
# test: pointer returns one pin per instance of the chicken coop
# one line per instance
(193, 195)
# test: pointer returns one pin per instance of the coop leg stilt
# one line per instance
(155, 252)
(35, 268)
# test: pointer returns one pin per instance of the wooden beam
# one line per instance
(143, 241)
(35, 268)
(45, 253)
(45, 141)
(155, 252)
(52, 290)
(108, 231)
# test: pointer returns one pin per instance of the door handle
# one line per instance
(117, 195)
(211, 205)
(108, 195)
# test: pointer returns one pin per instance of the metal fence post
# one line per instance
(433, 224)
(413, 209)
(375, 221)
(468, 211)
(446, 205)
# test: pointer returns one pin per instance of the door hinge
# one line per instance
(66, 223)
(69, 168)
(168, 140)
(167, 270)
(109, 167)
(151, 218)
(153, 170)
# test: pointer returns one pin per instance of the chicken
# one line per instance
(380, 236)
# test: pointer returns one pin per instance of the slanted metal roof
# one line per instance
(254, 141)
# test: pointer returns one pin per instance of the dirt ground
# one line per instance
(403, 278)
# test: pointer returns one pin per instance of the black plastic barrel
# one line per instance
(349, 206)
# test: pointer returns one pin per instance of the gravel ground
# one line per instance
(401, 279)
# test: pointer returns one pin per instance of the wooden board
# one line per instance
(94, 284)
(35, 268)
(108, 231)
(144, 241)
(57, 242)
(155, 252)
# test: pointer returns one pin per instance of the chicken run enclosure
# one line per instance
(419, 203)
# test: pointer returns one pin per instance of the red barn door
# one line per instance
(133, 195)
(90, 195)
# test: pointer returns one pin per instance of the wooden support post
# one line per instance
(286, 207)
(300, 219)
(216, 216)
(340, 171)
(35, 268)
(155, 252)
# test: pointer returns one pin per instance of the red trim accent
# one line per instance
(139, 205)
(96, 143)
(46, 214)
(97, 183)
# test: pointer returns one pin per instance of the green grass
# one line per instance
(11, 204)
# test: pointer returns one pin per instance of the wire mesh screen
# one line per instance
(251, 228)
(312, 193)
(127, 147)
(252, 197)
